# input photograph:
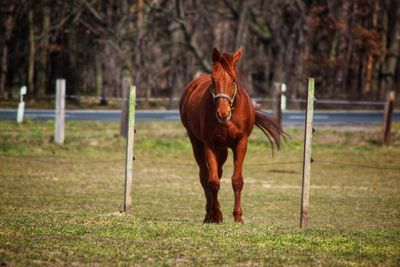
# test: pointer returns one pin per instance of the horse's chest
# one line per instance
(225, 136)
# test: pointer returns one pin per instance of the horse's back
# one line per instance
(192, 95)
(195, 85)
(192, 107)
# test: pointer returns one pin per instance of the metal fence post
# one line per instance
(305, 189)
(59, 112)
(129, 151)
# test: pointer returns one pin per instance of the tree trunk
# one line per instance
(383, 39)
(127, 44)
(175, 83)
(370, 61)
(43, 52)
(138, 57)
(126, 84)
(343, 47)
(109, 63)
(394, 46)
(31, 59)
(98, 76)
(242, 24)
(189, 41)
(9, 24)
(218, 34)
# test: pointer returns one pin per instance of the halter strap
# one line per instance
(222, 95)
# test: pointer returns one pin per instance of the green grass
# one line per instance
(60, 205)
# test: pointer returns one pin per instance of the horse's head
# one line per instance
(224, 83)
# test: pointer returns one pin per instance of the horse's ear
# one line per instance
(237, 55)
(215, 55)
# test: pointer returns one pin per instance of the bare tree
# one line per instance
(8, 25)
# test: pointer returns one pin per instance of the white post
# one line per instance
(283, 97)
(21, 105)
(130, 141)
(308, 129)
(60, 114)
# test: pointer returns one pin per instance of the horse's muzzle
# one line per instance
(223, 116)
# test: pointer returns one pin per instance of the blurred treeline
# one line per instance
(350, 46)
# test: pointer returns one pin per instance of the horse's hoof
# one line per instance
(237, 216)
(214, 218)
(238, 220)
(217, 217)
(207, 219)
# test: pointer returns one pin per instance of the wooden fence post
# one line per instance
(278, 103)
(126, 82)
(387, 119)
(59, 112)
(308, 129)
(129, 151)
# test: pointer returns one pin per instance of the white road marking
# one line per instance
(300, 117)
(50, 116)
(172, 118)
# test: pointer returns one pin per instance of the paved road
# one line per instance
(289, 117)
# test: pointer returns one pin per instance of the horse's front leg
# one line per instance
(237, 179)
(213, 183)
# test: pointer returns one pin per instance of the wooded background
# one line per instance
(350, 46)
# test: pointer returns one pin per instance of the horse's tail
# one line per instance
(271, 128)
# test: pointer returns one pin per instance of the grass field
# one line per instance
(60, 205)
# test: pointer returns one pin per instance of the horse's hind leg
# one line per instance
(198, 151)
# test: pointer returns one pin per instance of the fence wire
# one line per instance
(178, 164)
(258, 99)
(356, 165)
(62, 162)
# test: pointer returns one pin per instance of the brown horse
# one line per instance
(218, 114)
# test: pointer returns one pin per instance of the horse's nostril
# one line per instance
(220, 114)
(223, 115)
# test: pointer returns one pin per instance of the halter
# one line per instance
(222, 95)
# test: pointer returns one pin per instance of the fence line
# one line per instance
(66, 162)
(226, 165)
(139, 99)
(257, 99)
(62, 162)
(95, 97)
(136, 159)
(349, 102)
(336, 101)
(355, 165)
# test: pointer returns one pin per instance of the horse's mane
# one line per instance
(225, 61)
